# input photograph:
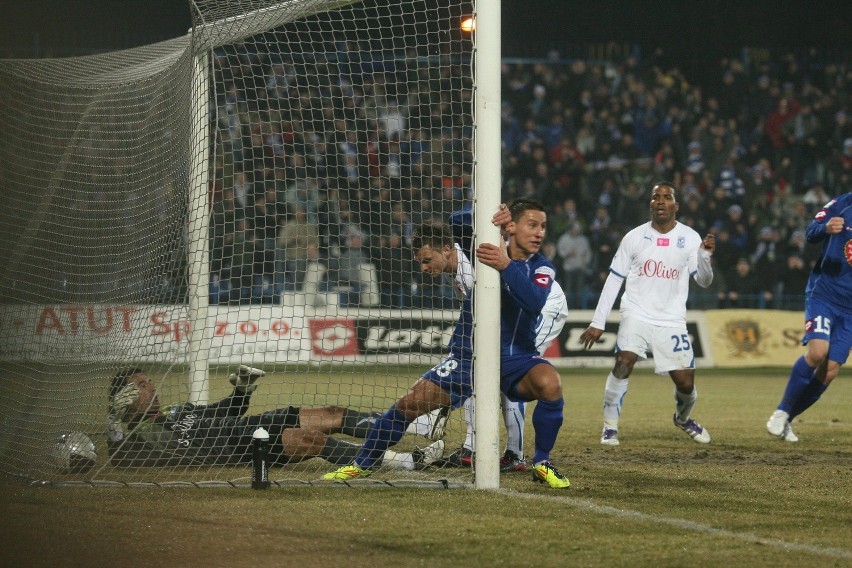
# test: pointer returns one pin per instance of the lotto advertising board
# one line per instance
(234, 334)
(287, 334)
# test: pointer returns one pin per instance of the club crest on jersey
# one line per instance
(662, 241)
(681, 242)
(544, 276)
(847, 252)
(542, 280)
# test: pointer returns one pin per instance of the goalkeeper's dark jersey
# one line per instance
(189, 434)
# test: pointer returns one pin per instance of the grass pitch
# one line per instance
(659, 499)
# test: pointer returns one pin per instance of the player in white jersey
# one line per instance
(654, 261)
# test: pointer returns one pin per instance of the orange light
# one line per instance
(468, 25)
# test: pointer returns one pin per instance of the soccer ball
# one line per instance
(74, 452)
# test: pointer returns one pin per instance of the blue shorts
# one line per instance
(454, 376)
(512, 370)
(824, 320)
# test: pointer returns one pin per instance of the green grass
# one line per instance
(659, 499)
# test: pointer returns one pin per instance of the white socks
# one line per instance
(398, 460)
(684, 404)
(614, 393)
(513, 417)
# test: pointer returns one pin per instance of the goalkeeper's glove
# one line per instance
(245, 377)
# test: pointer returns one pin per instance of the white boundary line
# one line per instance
(684, 524)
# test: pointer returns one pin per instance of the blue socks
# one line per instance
(803, 389)
(800, 379)
(386, 431)
(547, 420)
(808, 397)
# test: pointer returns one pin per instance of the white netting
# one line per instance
(331, 129)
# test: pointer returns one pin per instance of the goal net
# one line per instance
(244, 195)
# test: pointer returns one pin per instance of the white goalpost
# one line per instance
(245, 195)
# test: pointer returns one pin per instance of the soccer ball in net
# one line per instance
(74, 452)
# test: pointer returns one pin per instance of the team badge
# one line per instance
(744, 337)
(543, 280)
(847, 252)
(681, 242)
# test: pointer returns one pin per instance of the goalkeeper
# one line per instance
(144, 434)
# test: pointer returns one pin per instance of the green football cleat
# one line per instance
(544, 472)
(347, 472)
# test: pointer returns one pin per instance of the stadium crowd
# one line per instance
(334, 163)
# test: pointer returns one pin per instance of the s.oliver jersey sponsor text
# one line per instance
(657, 269)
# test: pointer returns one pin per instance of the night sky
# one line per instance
(697, 33)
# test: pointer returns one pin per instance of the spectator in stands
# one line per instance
(395, 271)
(738, 229)
(804, 136)
(246, 260)
(575, 258)
(631, 203)
(793, 279)
(815, 198)
(713, 296)
(564, 215)
(693, 215)
(745, 289)
(785, 110)
(295, 236)
(265, 221)
(768, 257)
(144, 434)
(347, 272)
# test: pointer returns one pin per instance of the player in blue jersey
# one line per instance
(526, 278)
(828, 316)
(446, 384)
(548, 326)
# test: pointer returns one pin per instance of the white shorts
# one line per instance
(671, 346)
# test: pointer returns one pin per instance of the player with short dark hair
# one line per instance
(654, 262)
(446, 384)
(548, 326)
(828, 316)
(144, 434)
(526, 278)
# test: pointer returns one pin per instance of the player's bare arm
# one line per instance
(494, 256)
(590, 336)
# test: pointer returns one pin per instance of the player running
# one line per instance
(828, 316)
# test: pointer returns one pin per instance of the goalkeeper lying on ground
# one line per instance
(143, 434)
